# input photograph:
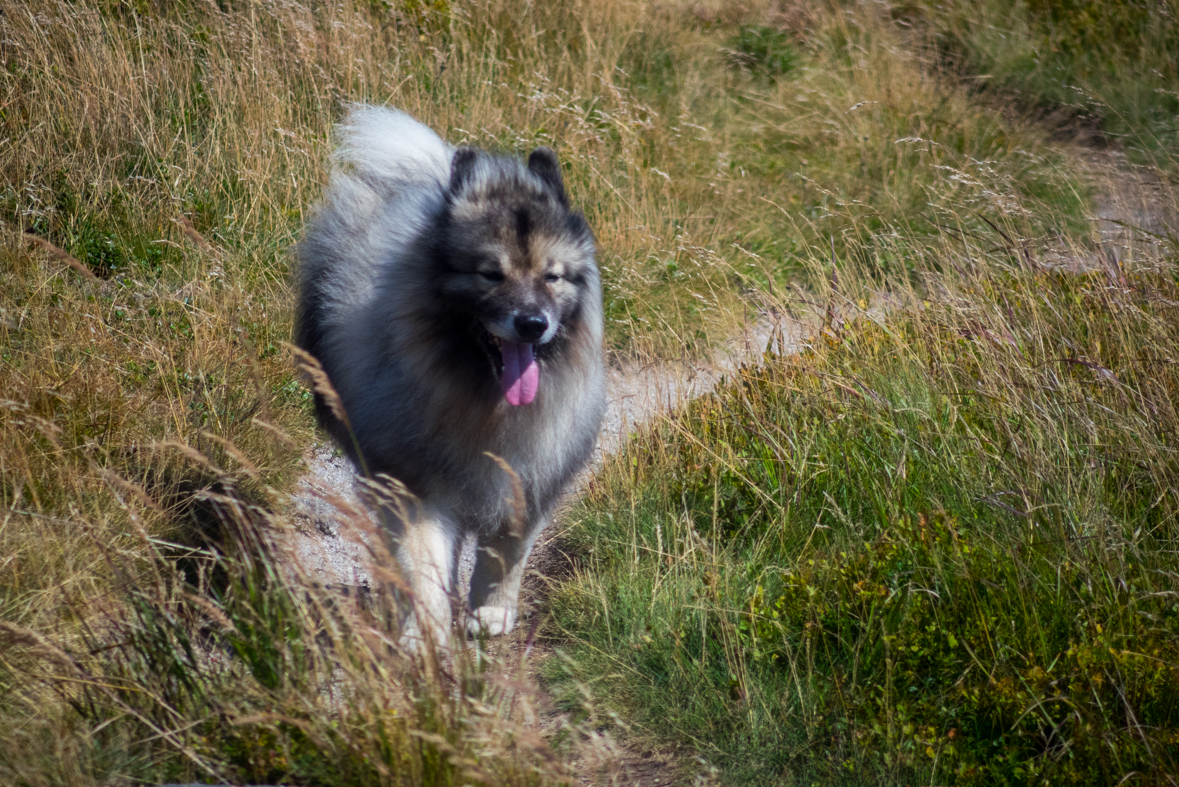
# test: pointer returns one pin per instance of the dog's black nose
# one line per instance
(531, 326)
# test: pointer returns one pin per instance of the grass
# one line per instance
(153, 421)
(1104, 70)
(936, 547)
(229, 665)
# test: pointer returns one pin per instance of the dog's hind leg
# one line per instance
(495, 582)
(427, 552)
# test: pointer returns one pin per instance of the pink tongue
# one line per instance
(521, 375)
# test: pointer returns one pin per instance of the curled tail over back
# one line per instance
(388, 146)
(389, 176)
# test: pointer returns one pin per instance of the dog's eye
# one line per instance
(494, 276)
(552, 277)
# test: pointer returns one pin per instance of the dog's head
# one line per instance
(516, 258)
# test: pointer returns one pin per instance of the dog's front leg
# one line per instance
(495, 582)
(426, 551)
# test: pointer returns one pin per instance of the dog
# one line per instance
(452, 297)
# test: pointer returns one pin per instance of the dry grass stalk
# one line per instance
(62, 256)
(191, 233)
(518, 503)
(310, 366)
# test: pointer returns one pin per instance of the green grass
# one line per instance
(1104, 69)
(937, 546)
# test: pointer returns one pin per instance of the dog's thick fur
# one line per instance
(423, 270)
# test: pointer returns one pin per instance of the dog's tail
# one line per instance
(389, 173)
(385, 144)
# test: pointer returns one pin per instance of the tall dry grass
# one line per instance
(229, 664)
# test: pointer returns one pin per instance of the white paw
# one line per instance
(491, 621)
(413, 640)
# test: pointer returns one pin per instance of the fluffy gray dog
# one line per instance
(452, 297)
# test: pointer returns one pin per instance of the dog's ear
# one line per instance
(462, 168)
(543, 164)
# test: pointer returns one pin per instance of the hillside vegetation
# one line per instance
(970, 496)
(935, 547)
(1109, 71)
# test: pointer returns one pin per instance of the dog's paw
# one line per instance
(412, 641)
(416, 642)
(491, 621)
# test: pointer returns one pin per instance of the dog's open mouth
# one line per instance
(519, 373)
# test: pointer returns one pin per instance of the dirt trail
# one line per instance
(1135, 212)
